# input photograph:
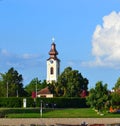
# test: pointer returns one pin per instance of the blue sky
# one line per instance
(86, 32)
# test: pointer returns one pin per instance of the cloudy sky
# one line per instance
(86, 32)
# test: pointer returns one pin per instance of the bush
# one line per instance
(15, 102)
(63, 102)
(46, 102)
(10, 102)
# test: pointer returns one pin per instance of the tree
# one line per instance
(35, 85)
(117, 85)
(3, 87)
(11, 84)
(71, 83)
(98, 96)
(52, 87)
(115, 99)
(115, 95)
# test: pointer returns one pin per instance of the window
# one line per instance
(51, 70)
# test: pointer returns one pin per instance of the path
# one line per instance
(53, 121)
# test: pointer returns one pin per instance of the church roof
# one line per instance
(53, 50)
(55, 58)
(44, 91)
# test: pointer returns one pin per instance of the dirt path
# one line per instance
(54, 121)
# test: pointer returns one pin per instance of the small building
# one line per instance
(45, 92)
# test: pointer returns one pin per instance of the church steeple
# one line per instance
(53, 52)
(53, 64)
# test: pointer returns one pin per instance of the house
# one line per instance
(45, 92)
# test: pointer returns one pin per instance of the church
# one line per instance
(53, 70)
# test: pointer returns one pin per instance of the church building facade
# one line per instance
(53, 65)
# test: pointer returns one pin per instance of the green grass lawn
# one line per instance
(55, 113)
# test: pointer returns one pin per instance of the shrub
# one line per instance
(10, 102)
(63, 102)
(46, 102)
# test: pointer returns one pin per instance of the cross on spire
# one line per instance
(53, 39)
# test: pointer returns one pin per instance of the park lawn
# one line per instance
(56, 113)
(71, 113)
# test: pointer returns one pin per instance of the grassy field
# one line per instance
(55, 113)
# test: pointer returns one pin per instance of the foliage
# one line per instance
(115, 95)
(11, 102)
(117, 85)
(53, 87)
(61, 102)
(11, 84)
(47, 102)
(70, 84)
(35, 85)
(98, 97)
(115, 99)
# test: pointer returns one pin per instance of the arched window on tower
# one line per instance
(51, 70)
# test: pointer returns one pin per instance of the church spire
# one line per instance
(53, 52)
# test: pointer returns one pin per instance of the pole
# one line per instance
(17, 93)
(41, 108)
(36, 89)
(7, 89)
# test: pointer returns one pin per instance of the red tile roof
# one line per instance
(44, 91)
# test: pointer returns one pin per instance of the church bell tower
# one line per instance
(53, 64)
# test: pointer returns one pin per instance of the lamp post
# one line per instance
(41, 108)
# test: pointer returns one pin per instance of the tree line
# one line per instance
(71, 83)
(11, 84)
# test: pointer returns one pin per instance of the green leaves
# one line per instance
(11, 84)
(98, 96)
(35, 84)
(72, 82)
(117, 85)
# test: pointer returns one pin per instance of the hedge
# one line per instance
(57, 102)
(10, 102)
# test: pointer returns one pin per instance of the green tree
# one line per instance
(11, 84)
(35, 85)
(117, 85)
(52, 87)
(115, 99)
(71, 83)
(91, 99)
(98, 96)
(3, 87)
(115, 95)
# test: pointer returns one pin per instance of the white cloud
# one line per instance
(4, 52)
(29, 56)
(29, 65)
(22, 61)
(106, 42)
